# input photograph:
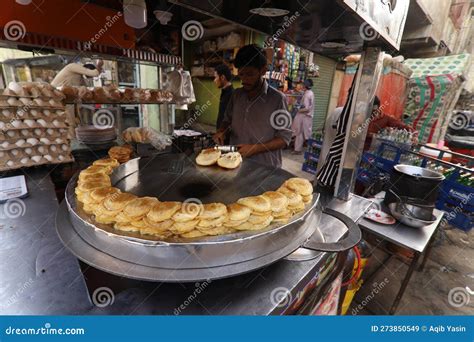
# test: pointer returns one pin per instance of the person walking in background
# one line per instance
(222, 79)
(302, 126)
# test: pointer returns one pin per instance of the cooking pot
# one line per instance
(414, 182)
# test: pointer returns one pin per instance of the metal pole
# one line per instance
(367, 79)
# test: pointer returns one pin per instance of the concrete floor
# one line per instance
(450, 265)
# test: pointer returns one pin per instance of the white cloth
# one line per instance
(181, 85)
(302, 125)
(71, 75)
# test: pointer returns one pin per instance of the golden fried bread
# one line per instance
(91, 185)
(249, 226)
(97, 195)
(233, 223)
(97, 169)
(216, 230)
(253, 219)
(118, 201)
(112, 162)
(262, 213)
(99, 209)
(299, 185)
(212, 222)
(278, 201)
(188, 212)
(163, 211)
(277, 214)
(126, 227)
(93, 177)
(193, 234)
(183, 227)
(140, 206)
(238, 212)
(293, 197)
(105, 219)
(230, 160)
(307, 199)
(296, 208)
(208, 157)
(256, 203)
(212, 210)
(161, 226)
(148, 230)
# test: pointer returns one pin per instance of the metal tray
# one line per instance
(176, 177)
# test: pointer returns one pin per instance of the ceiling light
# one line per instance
(334, 44)
(135, 13)
(23, 2)
(163, 17)
(269, 11)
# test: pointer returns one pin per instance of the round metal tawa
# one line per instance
(175, 177)
(105, 262)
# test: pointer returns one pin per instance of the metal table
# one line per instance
(417, 240)
(42, 277)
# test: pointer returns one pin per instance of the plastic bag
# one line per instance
(147, 135)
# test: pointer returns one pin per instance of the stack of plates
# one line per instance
(95, 135)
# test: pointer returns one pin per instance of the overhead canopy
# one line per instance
(328, 27)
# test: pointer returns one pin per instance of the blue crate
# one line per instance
(311, 156)
(314, 143)
(309, 169)
(457, 219)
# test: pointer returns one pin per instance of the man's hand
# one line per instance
(219, 137)
(248, 150)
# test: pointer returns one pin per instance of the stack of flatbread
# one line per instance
(212, 218)
(211, 156)
(186, 219)
(121, 153)
(149, 216)
(261, 213)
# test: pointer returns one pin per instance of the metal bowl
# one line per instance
(418, 172)
(417, 217)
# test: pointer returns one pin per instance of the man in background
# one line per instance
(73, 74)
(222, 79)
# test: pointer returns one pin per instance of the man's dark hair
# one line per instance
(376, 101)
(223, 70)
(89, 66)
(251, 56)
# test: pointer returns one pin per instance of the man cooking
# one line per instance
(256, 117)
